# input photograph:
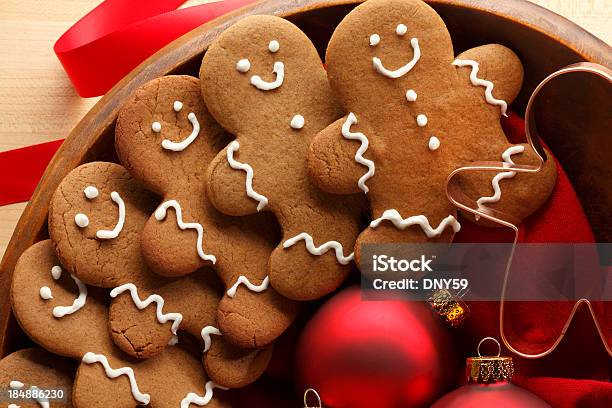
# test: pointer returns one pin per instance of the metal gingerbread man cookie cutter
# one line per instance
(458, 197)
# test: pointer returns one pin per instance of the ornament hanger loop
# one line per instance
(316, 394)
(492, 339)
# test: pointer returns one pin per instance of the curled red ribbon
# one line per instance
(115, 37)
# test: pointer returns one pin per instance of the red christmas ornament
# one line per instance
(382, 354)
(489, 385)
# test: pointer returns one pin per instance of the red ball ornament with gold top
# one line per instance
(489, 385)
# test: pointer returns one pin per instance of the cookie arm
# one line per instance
(228, 189)
(516, 194)
(495, 65)
(338, 158)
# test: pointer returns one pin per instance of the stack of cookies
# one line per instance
(243, 193)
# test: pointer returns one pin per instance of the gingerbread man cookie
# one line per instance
(274, 116)
(36, 370)
(166, 138)
(415, 113)
(106, 377)
(147, 309)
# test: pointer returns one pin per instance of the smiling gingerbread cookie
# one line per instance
(166, 138)
(146, 310)
(264, 82)
(415, 113)
(106, 376)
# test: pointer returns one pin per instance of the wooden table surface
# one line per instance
(38, 103)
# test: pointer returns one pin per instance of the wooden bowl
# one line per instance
(544, 41)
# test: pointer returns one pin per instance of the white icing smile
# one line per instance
(79, 302)
(403, 70)
(114, 233)
(279, 70)
(182, 145)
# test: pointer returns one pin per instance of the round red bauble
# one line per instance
(498, 395)
(384, 354)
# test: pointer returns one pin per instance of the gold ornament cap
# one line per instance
(449, 307)
(489, 369)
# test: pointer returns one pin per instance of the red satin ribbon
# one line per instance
(115, 37)
(21, 170)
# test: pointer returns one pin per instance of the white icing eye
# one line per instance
(401, 29)
(421, 120)
(81, 220)
(45, 293)
(243, 65)
(434, 143)
(90, 192)
(56, 272)
(297, 122)
(411, 96)
(374, 40)
(274, 46)
(178, 105)
(156, 127)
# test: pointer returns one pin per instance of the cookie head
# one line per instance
(268, 75)
(95, 219)
(382, 44)
(165, 136)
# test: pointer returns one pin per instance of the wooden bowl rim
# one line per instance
(88, 130)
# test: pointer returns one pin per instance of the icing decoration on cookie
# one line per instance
(231, 292)
(156, 127)
(500, 176)
(17, 385)
(114, 233)
(320, 250)
(177, 106)
(160, 214)
(482, 82)
(346, 133)
(279, 70)
(374, 40)
(173, 341)
(56, 272)
(79, 302)
(420, 220)
(421, 120)
(206, 333)
(434, 143)
(91, 192)
(243, 65)
(236, 165)
(176, 318)
(91, 358)
(45, 293)
(411, 96)
(81, 220)
(193, 398)
(297, 122)
(183, 144)
(401, 29)
(274, 46)
(401, 71)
